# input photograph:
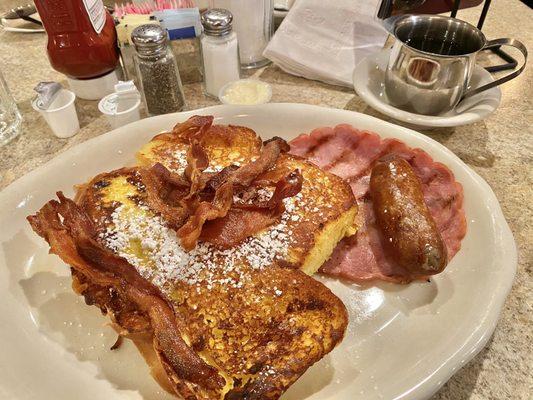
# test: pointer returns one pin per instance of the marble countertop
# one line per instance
(500, 149)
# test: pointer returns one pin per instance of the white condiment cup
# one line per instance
(121, 108)
(246, 84)
(61, 114)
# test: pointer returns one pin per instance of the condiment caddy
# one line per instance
(90, 57)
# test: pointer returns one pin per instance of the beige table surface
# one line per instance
(498, 148)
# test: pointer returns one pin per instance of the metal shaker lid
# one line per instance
(217, 22)
(149, 39)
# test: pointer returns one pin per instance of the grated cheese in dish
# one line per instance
(246, 92)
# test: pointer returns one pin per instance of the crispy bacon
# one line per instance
(205, 211)
(211, 197)
(184, 131)
(217, 180)
(164, 190)
(72, 236)
(287, 186)
(168, 176)
(194, 126)
(236, 226)
(246, 219)
(246, 174)
(197, 162)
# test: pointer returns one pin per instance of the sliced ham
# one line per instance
(350, 154)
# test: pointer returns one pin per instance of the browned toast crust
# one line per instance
(262, 335)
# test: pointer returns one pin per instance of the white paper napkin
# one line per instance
(324, 40)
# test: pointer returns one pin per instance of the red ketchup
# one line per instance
(82, 41)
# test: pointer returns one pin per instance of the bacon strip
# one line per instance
(197, 161)
(225, 184)
(217, 180)
(244, 220)
(206, 211)
(164, 190)
(71, 236)
(210, 196)
(236, 226)
(169, 177)
(184, 131)
(272, 148)
(288, 186)
(194, 126)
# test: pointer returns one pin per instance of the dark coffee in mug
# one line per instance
(436, 46)
(432, 61)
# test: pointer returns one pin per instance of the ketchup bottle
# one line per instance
(82, 41)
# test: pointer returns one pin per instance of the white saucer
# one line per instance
(369, 84)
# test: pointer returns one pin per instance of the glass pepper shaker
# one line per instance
(157, 70)
(220, 50)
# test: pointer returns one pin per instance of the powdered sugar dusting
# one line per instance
(179, 158)
(179, 163)
(147, 243)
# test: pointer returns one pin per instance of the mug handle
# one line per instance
(497, 43)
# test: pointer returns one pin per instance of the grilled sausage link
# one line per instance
(408, 229)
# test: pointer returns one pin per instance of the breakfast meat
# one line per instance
(408, 230)
(351, 154)
(220, 310)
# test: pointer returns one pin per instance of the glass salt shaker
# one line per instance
(220, 50)
(253, 20)
(157, 70)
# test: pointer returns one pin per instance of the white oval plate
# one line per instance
(403, 342)
(369, 84)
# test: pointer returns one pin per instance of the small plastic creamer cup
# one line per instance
(61, 115)
(121, 108)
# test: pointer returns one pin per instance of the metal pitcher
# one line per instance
(432, 61)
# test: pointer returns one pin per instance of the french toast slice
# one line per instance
(325, 211)
(259, 322)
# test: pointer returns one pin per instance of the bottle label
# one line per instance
(97, 15)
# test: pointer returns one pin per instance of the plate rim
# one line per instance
(475, 342)
(418, 120)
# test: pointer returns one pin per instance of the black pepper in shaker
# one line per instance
(157, 70)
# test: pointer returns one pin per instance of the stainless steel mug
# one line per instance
(432, 60)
